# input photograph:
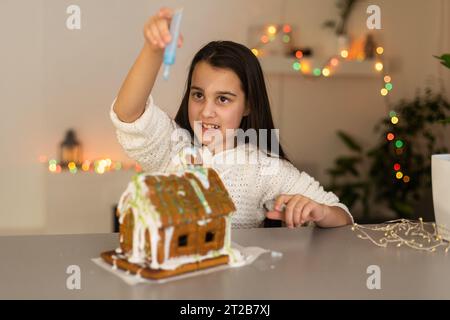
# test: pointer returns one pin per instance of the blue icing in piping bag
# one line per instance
(169, 52)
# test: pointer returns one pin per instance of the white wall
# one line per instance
(53, 78)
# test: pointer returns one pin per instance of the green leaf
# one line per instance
(349, 142)
(445, 121)
(445, 59)
(403, 209)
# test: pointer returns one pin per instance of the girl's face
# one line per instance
(216, 103)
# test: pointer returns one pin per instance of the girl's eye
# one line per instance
(223, 99)
(197, 95)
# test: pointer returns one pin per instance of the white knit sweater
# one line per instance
(253, 184)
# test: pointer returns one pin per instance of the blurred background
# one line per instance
(359, 109)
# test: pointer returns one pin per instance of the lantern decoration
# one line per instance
(70, 149)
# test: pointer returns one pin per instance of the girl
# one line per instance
(225, 92)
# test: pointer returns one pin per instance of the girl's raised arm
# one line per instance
(130, 102)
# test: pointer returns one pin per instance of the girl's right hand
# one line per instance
(156, 30)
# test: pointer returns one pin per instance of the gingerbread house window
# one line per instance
(183, 240)
(209, 237)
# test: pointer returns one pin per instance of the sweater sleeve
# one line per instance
(281, 177)
(151, 139)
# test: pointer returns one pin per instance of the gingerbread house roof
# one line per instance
(194, 195)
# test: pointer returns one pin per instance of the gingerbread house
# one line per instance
(174, 223)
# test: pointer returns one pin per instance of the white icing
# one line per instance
(203, 222)
(167, 239)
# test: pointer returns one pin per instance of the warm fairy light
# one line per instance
(399, 175)
(264, 39)
(397, 167)
(392, 114)
(390, 136)
(287, 28)
(118, 166)
(384, 92)
(271, 30)
(52, 167)
(296, 66)
(71, 165)
(387, 79)
(306, 67)
(399, 144)
(86, 165)
(403, 232)
(255, 52)
(58, 169)
(286, 38)
(380, 50)
(317, 72)
(360, 56)
(406, 179)
(378, 66)
(388, 86)
(334, 62)
(326, 72)
(344, 54)
(299, 54)
(394, 119)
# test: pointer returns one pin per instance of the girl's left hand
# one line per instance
(298, 210)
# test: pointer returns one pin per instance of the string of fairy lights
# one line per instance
(403, 232)
(303, 66)
(99, 166)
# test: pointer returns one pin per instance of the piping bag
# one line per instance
(171, 48)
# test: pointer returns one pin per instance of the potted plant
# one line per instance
(440, 173)
(393, 177)
(345, 8)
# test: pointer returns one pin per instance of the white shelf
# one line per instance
(284, 66)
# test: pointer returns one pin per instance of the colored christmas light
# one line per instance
(317, 72)
(397, 167)
(399, 144)
(286, 38)
(255, 52)
(384, 91)
(287, 28)
(390, 136)
(299, 54)
(380, 50)
(326, 72)
(271, 30)
(344, 54)
(387, 79)
(388, 86)
(296, 66)
(394, 120)
(378, 66)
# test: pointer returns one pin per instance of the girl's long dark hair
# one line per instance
(242, 61)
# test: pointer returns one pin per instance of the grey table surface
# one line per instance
(316, 264)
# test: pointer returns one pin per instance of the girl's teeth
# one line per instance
(210, 126)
